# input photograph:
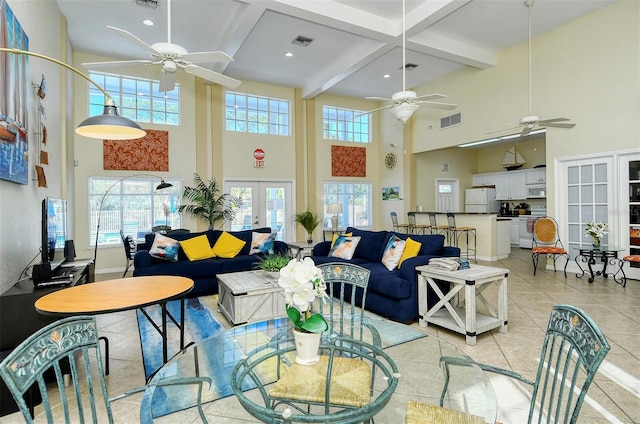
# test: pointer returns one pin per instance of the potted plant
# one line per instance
(596, 230)
(302, 282)
(272, 264)
(208, 204)
(309, 221)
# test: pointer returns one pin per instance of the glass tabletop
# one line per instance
(416, 355)
(600, 249)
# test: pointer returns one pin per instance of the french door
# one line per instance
(264, 204)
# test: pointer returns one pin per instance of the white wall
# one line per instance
(20, 205)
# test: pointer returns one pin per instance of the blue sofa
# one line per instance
(391, 294)
(203, 272)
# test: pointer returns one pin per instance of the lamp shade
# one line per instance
(334, 208)
(404, 111)
(110, 125)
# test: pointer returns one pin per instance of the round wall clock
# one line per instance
(390, 160)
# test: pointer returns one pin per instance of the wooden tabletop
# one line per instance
(113, 295)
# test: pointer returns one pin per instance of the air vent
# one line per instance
(409, 67)
(451, 120)
(302, 41)
(148, 3)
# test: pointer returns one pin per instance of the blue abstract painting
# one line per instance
(14, 96)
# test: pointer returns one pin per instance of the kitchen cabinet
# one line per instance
(511, 186)
(514, 235)
(482, 180)
(536, 176)
(503, 245)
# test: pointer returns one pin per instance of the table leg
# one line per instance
(422, 300)
(502, 305)
(182, 323)
(470, 312)
(591, 261)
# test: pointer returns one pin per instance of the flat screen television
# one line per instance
(54, 231)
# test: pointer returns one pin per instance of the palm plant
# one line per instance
(309, 221)
(208, 204)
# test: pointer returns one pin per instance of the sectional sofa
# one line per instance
(203, 272)
(392, 294)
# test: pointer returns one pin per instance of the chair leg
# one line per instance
(566, 262)
(534, 258)
(106, 354)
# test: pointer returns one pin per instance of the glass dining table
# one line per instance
(416, 356)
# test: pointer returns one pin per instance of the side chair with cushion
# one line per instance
(129, 251)
(546, 242)
(573, 349)
(73, 340)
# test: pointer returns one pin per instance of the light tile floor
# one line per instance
(613, 398)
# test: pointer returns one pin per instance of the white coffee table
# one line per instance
(250, 296)
(302, 248)
(462, 316)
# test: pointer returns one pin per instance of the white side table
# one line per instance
(462, 317)
(302, 248)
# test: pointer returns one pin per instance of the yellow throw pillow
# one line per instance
(197, 248)
(228, 246)
(411, 250)
(335, 237)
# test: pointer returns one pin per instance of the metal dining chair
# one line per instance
(129, 251)
(414, 227)
(456, 232)
(436, 228)
(72, 340)
(572, 350)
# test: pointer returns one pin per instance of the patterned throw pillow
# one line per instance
(335, 237)
(197, 248)
(228, 246)
(393, 252)
(411, 250)
(262, 243)
(344, 247)
(164, 248)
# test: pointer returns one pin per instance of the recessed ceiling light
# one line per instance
(148, 22)
(289, 54)
(386, 76)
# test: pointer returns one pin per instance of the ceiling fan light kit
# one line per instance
(404, 111)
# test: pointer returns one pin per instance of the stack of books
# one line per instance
(451, 264)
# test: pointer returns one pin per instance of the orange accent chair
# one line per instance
(546, 241)
(634, 260)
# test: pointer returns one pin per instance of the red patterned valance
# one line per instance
(149, 153)
(348, 161)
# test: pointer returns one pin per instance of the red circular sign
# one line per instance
(258, 154)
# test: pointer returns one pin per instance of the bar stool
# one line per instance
(398, 228)
(437, 229)
(416, 228)
(456, 232)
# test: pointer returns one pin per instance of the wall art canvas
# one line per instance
(348, 161)
(390, 193)
(14, 96)
(149, 153)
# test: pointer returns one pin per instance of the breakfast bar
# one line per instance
(492, 232)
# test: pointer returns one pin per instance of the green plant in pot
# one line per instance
(309, 221)
(273, 263)
(208, 204)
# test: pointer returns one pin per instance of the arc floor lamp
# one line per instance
(163, 184)
(109, 125)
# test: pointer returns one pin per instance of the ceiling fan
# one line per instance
(171, 57)
(530, 122)
(405, 103)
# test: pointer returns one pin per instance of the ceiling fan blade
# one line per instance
(376, 109)
(134, 39)
(97, 65)
(517, 127)
(212, 76)
(379, 98)
(437, 105)
(428, 97)
(546, 121)
(556, 125)
(167, 81)
(207, 57)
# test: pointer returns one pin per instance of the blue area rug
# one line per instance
(217, 355)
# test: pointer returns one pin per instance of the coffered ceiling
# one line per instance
(355, 42)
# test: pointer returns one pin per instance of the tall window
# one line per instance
(138, 99)
(132, 205)
(255, 114)
(356, 200)
(345, 124)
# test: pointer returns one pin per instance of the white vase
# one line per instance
(307, 346)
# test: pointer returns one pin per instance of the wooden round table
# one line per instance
(122, 294)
